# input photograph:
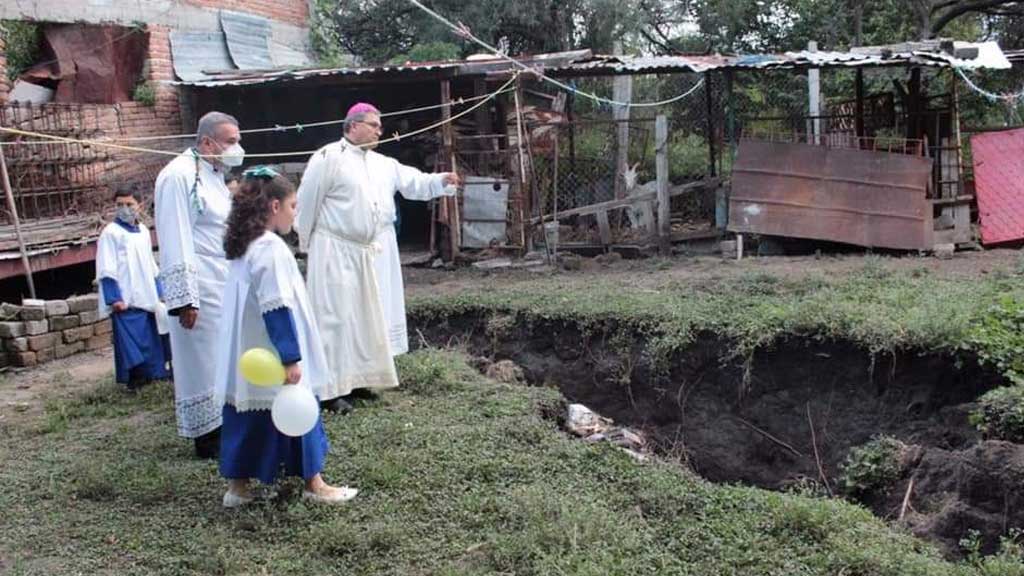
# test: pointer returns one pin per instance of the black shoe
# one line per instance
(364, 394)
(336, 406)
(208, 445)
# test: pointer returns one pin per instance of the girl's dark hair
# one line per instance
(133, 190)
(250, 211)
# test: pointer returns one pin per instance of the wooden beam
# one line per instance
(448, 139)
(858, 115)
(661, 167)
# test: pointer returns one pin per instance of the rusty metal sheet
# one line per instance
(999, 184)
(862, 197)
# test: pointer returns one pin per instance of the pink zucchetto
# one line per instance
(361, 108)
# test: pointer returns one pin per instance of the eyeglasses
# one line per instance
(374, 125)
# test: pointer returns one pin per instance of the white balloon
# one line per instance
(295, 410)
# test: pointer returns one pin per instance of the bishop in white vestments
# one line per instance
(192, 206)
(346, 215)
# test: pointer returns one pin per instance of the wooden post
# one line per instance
(448, 139)
(622, 92)
(661, 167)
(709, 97)
(858, 113)
(814, 99)
(13, 208)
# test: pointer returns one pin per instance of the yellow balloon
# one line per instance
(261, 367)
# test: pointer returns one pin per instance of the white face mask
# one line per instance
(232, 156)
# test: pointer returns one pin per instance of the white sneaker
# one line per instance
(232, 500)
(331, 495)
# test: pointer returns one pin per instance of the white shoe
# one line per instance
(331, 495)
(232, 500)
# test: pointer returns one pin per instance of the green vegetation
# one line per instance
(466, 479)
(21, 45)
(145, 94)
(1000, 414)
(871, 467)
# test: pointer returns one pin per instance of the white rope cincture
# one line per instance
(463, 31)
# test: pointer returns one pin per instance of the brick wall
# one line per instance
(290, 11)
(39, 332)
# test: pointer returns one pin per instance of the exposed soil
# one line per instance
(760, 433)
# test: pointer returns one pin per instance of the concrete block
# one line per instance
(57, 308)
(12, 329)
(98, 342)
(88, 317)
(60, 323)
(43, 341)
(65, 350)
(24, 359)
(33, 311)
(73, 335)
(36, 327)
(46, 355)
(16, 344)
(10, 311)
(77, 304)
(944, 251)
(102, 327)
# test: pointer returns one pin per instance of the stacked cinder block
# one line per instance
(39, 331)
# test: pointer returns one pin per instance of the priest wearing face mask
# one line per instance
(192, 206)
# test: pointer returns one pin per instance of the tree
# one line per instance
(379, 30)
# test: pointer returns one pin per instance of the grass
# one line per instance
(881, 310)
(459, 476)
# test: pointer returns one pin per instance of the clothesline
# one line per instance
(990, 95)
(298, 127)
(463, 31)
(394, 138)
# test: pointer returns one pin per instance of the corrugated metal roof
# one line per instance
(194, 52)
(583, 63)
(243, 77)
(248, 39)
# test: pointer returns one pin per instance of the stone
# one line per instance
(23, 359)
(78, 304)
(98, 342)
(57, 308)
(88, 317)
(16, 344)
(59, 323)
(45, 355)
(506, 372)
(33, 310)
(583, 422)
(65, 350)
(73, 335)
(944, 251)
(727, 248)
(43, 341)
(36, 327)
(12, 329)
(102, 327)
(10, 311)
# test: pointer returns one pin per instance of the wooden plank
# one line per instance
(448, 137)
(664, 232)
(630, 201)
(604, 228)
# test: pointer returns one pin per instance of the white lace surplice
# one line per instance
(127, 257)
(190, 225)
(265, 279)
